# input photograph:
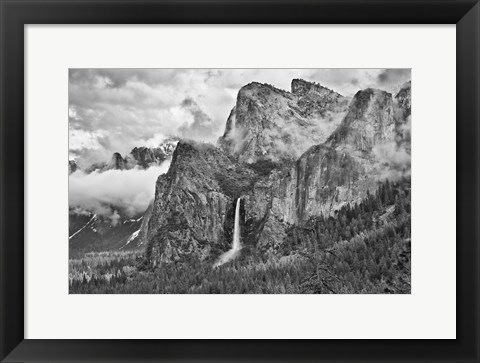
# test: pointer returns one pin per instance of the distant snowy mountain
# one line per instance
(140, 157)
(90, 232)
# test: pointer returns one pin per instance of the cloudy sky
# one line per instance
(114, 110)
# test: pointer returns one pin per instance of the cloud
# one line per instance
(127, 191)
(128, 107)
(289, 139)
(114, 218)
(80, 139)
(119, 76)
(393, 78)
(394, 160)
(202, 127)
(155, 140)
(133, 106)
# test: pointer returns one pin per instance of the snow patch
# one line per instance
(132, 237)
(81, 229)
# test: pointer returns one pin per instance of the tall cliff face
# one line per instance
(193, 201)
(369, 121)
(404, 99)
(319, 183)
(361, 152)
(327, 176)
(270, 208)
(326, 180)
(269, 123)
(192, 215)
(403, 103)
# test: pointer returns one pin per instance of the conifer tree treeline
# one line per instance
(363, 248)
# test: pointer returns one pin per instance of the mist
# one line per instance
(110, 192)
(289, 140)
(394, 161)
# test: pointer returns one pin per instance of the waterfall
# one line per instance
(236, 245)
(236, 228)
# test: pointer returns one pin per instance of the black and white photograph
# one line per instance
(239, 181)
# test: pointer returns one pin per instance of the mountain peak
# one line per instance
(316, 100)
(405, 86)
(270, 123)
(370, 120)
(72, 166)
(300, 87)
(403, 98)
(257, 90)
(116, 162)
(140, 156)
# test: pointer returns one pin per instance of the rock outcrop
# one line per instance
(192, 201)
(140, 157)
(117, 162)
(403, 113)
(404, 99)
(146, 157)
(369, 121)
(327, 176)
(269, 123)
(72, 166)
(316, 100)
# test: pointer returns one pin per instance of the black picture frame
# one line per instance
(15, 14)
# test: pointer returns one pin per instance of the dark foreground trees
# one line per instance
(364, 248)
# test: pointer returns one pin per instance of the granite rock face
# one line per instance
(316, 100)
(369, 121)
(269, 123)
(191, 204)
(403, 108)
(404, 99)
(277, 156)
(327, 176)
